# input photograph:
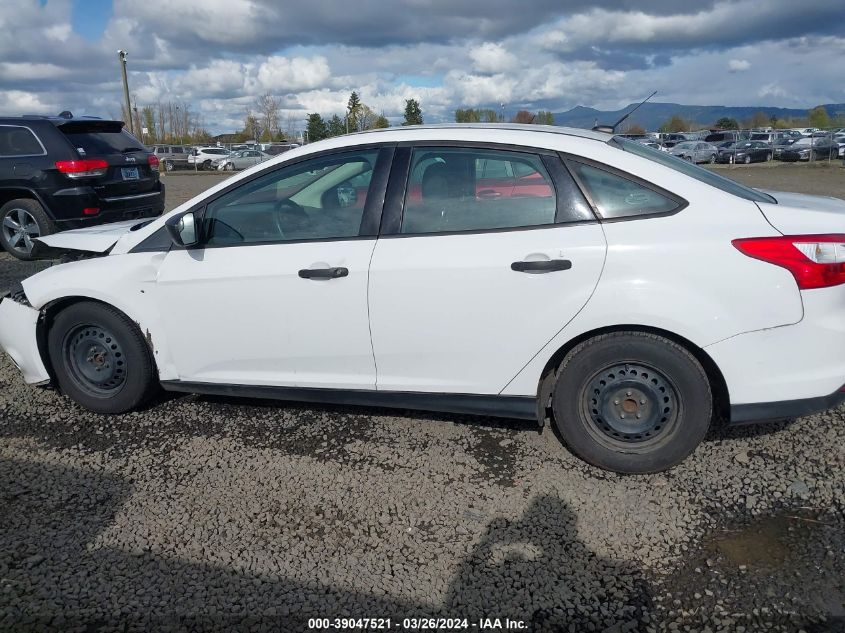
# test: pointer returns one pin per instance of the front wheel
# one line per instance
(712, 159)
(747, 160)
(230, 167)
(632, 402)
(100, 359)
(769, 158)
(169, 166)
(207, 165)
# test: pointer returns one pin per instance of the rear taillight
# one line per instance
(153, 161)
(816, 261)
(83, 168)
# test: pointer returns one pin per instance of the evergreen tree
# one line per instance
(545, 117)
(317, 129)
(381, 122)
(413, 114)
(354, 109)
(335, 126)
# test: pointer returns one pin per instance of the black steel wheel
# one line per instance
(632, 402)
(99, 358)
(94, 359)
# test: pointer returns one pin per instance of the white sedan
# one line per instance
(520, 271)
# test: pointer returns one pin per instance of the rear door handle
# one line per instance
(323, 273)
(544, 266)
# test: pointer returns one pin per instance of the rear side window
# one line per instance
(458, 189)
(616, 197)
(98, 140)
(16, 140)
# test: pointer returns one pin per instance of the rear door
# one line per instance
(128, 172)
(465, 288)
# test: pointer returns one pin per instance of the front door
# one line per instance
(472, 285)
(277, 294)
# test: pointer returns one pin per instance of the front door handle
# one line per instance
(543, 266)
(323, 273)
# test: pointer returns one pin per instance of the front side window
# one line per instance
(317, 199)
(16, 140)
(462, 189)
(617, 197)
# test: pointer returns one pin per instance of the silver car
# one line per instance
(242, 160)
(696, 151)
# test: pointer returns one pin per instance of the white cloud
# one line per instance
(282, 74)
(492, 58)
(738, 65)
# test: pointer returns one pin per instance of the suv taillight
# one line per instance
(816, 261)
(82, 168)
(153, 161)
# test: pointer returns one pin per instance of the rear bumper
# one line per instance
(67, 206)
(788, 371)
(760, 412)
(18, 325)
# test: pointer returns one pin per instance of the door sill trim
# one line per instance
(522, 407)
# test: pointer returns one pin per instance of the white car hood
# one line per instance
(799, 213)
(91, 239)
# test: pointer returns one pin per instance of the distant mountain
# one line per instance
(652, 115)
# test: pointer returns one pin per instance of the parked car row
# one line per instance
(214, 157)
(744, 147)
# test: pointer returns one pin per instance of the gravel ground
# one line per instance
(203, 513)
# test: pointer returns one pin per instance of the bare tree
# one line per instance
(268, 109)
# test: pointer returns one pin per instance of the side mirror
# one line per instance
(184, 229)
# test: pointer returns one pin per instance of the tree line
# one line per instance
(817, 117)
(487, 115)
(357, 118)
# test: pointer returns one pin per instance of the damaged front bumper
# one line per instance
(18, 336)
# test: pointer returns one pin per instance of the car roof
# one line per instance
(59, 120)
(518, 127)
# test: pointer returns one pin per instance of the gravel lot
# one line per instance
(203, 513)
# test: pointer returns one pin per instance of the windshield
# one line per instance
(693, 171)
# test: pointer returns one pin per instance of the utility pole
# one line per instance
(121, 55)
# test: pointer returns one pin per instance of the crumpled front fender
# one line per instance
(18, 324)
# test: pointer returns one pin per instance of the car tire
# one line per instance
(21, 220)
(747, 160)
(100, 358)
(687, 158)
(207, 165)
(169, 166)
(712, 159)
(769, 158)
(605, 378)
(229, 167)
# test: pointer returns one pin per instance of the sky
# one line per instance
(220, 55)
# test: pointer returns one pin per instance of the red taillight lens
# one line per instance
(153, 161)
(816, 261)
(82, 168)
(91, 210)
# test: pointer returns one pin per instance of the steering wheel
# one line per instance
(289, 212)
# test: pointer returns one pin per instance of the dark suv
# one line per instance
(62, 172)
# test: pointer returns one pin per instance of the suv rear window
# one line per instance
(101, 140)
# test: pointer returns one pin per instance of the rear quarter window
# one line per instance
(616, 197)
(16, 140)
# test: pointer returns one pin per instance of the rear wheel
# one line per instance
(230, 167)
(168, 165)
(632, 402)
(21, 221)
(100, 358)
(747, 160)
(207, 165)
(769, 158)
(712, 159)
